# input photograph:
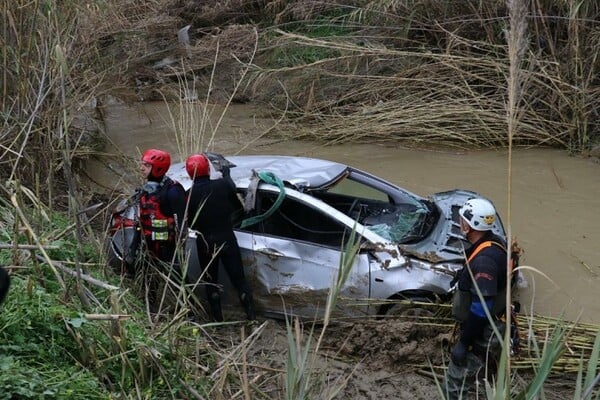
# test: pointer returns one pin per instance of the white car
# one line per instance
(303, 210)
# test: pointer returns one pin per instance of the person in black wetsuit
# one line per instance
(485, 269)
(211, 204)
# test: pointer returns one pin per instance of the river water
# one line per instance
(555, 198)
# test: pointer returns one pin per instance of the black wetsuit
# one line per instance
(210, 208)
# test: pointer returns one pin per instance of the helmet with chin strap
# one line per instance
(197, 165)
(479, 214)
(160, 161)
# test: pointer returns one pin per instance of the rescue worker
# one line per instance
(210, 208)
(161, 213)
(485, 269)
(4, 283)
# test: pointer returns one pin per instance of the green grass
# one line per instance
(291, 55)
(39, 357)
(56, 345)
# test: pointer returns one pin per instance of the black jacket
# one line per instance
(488, 267)
(210, 208)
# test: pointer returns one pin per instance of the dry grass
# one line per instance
(47, 124)
(419, 72)
(438, 75)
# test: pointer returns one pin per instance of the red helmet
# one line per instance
(160, 161)
(197, 165)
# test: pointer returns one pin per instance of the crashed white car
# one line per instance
(410, 246)
(293, 232)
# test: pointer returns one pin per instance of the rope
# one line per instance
(271, 179)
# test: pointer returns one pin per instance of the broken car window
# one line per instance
(298, 221)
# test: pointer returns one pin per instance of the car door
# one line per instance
(296, 253)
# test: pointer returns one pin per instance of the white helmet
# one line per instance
(480, 214)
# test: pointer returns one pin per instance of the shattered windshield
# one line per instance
(393, 214)
(400, 227)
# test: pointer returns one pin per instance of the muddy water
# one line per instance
(554, 198)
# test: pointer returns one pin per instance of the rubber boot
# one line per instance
(248, 303)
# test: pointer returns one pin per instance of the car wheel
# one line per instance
(411, 309)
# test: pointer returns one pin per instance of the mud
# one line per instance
(371, 361)
(391, 344)
(364, 360)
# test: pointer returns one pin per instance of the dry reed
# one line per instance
(441, 80)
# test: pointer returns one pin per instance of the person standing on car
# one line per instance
(211, 204)
(161, 212)
(485, 269)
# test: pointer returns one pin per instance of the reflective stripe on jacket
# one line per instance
(156, 226)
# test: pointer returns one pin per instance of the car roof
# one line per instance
(301, 172)
(298, 171)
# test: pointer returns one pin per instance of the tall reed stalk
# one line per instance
(193, 120)
(516, 81)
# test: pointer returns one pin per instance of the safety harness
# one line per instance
(158, 228)
(483, 245)
(513, 263)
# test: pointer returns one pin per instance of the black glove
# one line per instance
(459, 354)
(225, 171)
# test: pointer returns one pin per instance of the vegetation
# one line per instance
(436, 72)
(419, 72)
(53, 343)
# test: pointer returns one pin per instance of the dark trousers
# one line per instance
(481, 362)
(160, 266)
(210, 252)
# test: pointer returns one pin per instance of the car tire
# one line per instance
(411, 311)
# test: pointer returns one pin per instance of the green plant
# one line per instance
(34, 344)
(301, 379)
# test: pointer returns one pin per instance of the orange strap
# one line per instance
(482, 246)
(485, 245)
